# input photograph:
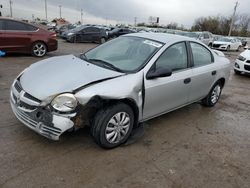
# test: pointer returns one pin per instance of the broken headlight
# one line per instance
(64, 103)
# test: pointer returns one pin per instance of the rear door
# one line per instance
(87, 34)
(96, 34)
(204, 71)
(2, 35)
(17, 36)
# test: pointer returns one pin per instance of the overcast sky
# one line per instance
(123, 11)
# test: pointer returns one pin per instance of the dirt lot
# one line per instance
(191, 147)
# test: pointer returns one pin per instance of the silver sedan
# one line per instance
(117, 85)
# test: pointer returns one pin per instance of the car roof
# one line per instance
(162, 37)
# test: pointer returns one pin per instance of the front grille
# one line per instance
(18, 86)
(26, 106)
(216, 45)
(247, 67)
(31, 97)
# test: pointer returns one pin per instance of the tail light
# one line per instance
(53, 35)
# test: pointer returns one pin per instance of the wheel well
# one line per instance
(222, 81)
(97, 103)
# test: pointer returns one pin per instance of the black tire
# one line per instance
(238, 49)
(102, 122)
(228, 48)
(210, 45)
(237, 72)
(39, 49)
(210, 101)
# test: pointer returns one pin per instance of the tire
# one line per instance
(39, 49)
(105, 129)
(238, 49)
(210, 45)
(213, 96)
(103, 40)
(228, 48)
(237, 72)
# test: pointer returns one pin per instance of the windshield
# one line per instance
(223, 39)
(127, 54)
(192, 35)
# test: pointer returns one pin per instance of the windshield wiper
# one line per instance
(105, 63)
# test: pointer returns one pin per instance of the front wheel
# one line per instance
(112, 125)
(39, 49)
(213, 96)
(237, 72)
(228, 48)
(103, 40)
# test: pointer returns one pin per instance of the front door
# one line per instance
(167, 93)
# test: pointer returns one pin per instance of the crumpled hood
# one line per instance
(61, 74)
(221, 42)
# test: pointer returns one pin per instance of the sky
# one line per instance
(124, 11)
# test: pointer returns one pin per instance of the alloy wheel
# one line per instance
(117, 127)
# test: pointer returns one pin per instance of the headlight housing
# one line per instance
(64, 103)
(241, 58)
(69, 34)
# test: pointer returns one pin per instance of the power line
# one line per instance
(232, 21)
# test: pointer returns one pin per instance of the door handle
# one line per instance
(214, 73)
(187, 80)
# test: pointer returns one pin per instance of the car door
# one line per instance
(17, 36)
(167, 93)
(203, 71)
(2, 35)
(206, 38)
(87, 34)
(96, 34)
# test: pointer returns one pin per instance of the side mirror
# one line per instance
(159, 73)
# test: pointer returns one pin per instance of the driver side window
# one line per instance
(174, 58)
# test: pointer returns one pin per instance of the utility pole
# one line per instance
(232, 22)
(1, 6)
(11, 2)
(46, 10)
(60, 10)
(81, 15)
(135, 21)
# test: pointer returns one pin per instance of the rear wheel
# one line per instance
(112, 125)
(103, 40)
(39, 49)
(228, 48)
(238, 49)
(213, 96)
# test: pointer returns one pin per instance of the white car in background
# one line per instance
(227, 43)
(242, 63)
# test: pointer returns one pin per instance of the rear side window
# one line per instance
(15, 26)
(1, 24)
(201, 55)
(31, 28)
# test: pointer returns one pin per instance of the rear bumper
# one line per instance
(52, 45)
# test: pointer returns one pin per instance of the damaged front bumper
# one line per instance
(40, 119)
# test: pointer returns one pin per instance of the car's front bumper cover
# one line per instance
(243, 66)
(40, 119)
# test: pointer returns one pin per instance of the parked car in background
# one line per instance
(243, 41)
(117, 85)
(227, 43)
(21, 37)
(64, 28)
(205, 37)
(87, 34)
(242, 63)
(119, 31)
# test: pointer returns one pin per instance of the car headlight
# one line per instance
(69, 34)
(64, 103)
(241, 58)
